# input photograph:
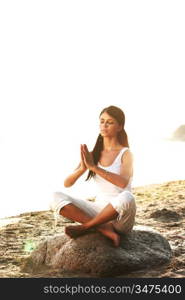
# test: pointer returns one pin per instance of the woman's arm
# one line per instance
(71, 179)
(125, 173)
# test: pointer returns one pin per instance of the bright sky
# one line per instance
(61, 63)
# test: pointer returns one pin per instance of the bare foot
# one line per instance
(108, 231)
(115, 238)
(75, 231)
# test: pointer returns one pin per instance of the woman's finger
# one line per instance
(84, 159)
(83, 148)
(86, 149)
(81, 154)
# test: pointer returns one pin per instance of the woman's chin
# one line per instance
(104, 133)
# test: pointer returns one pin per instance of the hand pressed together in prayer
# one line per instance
(87, 157)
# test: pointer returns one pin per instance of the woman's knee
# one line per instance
(127, 196)
(59, 201)
(127, 200)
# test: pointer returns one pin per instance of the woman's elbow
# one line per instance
(67, 184)
(124, 183)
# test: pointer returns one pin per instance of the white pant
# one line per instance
(123, 203)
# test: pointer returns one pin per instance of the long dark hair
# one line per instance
(119, 115)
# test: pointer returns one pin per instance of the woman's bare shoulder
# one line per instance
(127, 156)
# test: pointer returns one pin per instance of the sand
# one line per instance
(160, 206)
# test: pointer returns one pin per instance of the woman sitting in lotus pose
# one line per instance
(110, 164)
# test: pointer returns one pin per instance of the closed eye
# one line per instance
(107, 122)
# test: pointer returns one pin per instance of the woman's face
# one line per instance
(109, 126)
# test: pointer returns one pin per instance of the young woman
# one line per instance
(110, 164)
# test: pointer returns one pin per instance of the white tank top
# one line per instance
(106, 188)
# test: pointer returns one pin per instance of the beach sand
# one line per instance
(160, 206)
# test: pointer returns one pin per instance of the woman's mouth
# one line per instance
(103, 130)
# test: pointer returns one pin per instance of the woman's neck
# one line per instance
(110, 144)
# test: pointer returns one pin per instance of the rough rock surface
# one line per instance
(94, 254)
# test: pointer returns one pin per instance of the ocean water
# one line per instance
(30, 187)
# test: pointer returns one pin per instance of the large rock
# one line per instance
(95, 255)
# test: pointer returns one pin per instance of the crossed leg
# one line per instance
(102, 222)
